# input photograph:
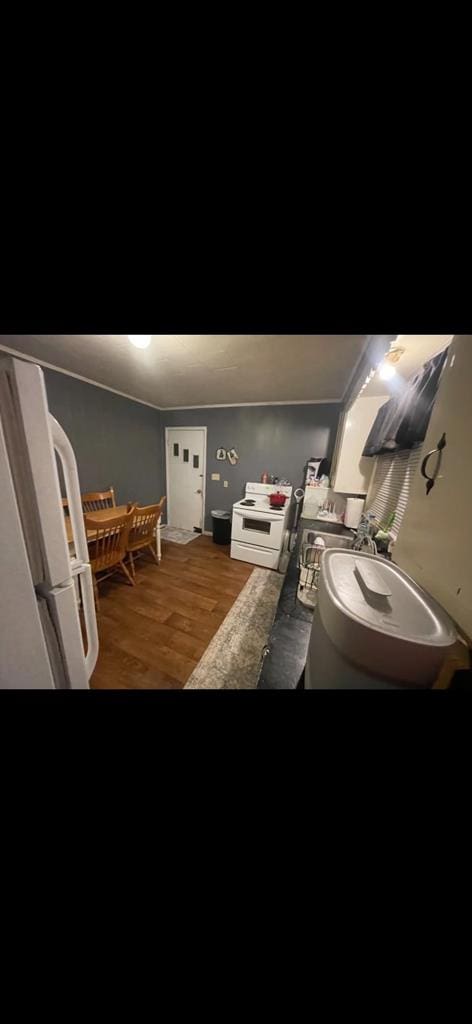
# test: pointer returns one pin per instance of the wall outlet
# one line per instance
(225, 483)
(215, 476)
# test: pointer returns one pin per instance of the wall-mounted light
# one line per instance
(140, 340)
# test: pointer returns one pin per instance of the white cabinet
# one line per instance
(435, 540)
(352, 472)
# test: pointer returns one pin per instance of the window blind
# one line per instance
(391, 485)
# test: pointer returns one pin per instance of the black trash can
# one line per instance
(221, 526)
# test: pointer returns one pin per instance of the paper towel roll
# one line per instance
(354, 510)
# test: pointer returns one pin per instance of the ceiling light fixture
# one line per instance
(387, 369)
(140, 340)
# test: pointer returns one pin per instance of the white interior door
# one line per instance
(185, 465)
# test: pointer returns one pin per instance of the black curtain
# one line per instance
(403, 421)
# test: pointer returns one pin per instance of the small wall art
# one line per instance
(221, 454)
(233, 456)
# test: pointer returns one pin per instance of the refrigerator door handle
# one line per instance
(71, 479)
(88, 604)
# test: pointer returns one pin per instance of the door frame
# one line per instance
(169, 496)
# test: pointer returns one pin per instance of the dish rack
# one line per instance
(314, 543)
(309, 561)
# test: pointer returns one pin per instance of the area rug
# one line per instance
(233, 659)
(178, 536)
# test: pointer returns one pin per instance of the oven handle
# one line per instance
(257, 515)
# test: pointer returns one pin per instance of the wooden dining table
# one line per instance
(107, 513)
(103, 513)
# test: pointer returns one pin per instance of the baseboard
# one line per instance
(207, 533)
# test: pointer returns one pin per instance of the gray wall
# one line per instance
(276, 438)
(116, 441)
(122, 443)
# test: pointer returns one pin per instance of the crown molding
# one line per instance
(244, 405)
(78, 376)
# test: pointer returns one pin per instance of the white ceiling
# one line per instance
(418, 349)
(219, 369)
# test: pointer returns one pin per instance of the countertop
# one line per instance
(288, 641)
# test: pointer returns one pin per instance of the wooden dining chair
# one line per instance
(97, 500)
(108, 544)
(143, 533)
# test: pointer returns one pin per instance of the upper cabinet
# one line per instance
(434, 542)
(351, 472)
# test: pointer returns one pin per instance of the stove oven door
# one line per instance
(261, 528)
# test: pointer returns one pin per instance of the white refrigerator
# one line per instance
(45, 583)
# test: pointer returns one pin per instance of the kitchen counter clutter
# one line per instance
(290, 635)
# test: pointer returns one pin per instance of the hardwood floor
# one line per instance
(153, 635)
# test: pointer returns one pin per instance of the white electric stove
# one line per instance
(258, 531)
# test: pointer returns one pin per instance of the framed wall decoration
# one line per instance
(233, 456)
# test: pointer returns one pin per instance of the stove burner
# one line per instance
(248, 502)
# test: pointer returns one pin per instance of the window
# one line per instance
(391, 485)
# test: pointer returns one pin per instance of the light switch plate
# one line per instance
(225, 483)
(215, 476)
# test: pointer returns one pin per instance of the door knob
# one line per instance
(198, 492)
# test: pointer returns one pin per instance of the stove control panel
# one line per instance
(269, 489)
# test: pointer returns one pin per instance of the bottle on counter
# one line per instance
(265, 478)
